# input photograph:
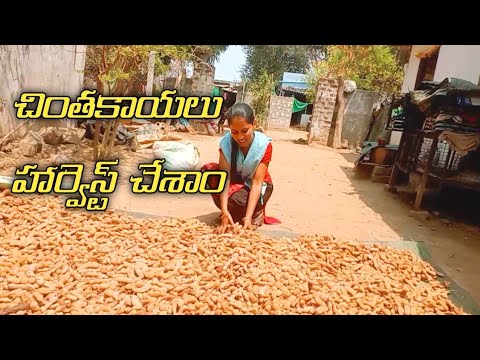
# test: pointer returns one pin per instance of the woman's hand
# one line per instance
(247, 223)
(226, 219)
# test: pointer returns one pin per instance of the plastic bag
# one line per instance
(349, 86)
(148, 133)
(178, 155)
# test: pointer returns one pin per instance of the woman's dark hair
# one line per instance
(244, 111)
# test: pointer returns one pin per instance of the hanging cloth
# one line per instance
(298, 106)
(216, 91)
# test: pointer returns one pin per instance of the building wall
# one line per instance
(459, 61)
(246, 97)
(358, 115)
(53, 69)
(280, 112)
(411, 68)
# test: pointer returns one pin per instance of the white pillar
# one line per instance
(151, 70)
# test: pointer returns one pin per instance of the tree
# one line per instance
(277, 59)
(262, 88)
(204, 54)
(207, 53)
(372, 67)
(117, 70)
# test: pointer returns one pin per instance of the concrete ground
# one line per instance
(314, 192)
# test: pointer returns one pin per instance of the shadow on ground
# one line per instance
(453, 248)
(210, 219)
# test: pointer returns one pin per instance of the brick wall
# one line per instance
(280, 112)
(323, 109)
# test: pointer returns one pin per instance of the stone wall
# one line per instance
(203, 79)
(280, 112)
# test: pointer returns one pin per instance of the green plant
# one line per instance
(116, 68)
(277, 59)
(119, 70)
(262, 88)
(372, 67)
